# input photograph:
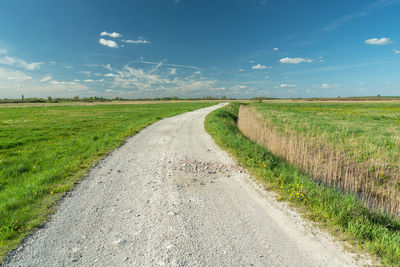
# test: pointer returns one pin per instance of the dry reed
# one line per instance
(371, 181)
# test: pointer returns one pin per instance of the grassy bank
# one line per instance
(45, 150)
(342, 213)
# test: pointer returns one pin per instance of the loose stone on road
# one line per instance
(171, 196)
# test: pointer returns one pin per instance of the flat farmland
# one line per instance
(44, 150)
(353, 146)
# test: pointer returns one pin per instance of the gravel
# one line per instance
(170, 196)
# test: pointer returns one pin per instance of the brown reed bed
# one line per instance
(372, 181)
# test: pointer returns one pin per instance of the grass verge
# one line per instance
(340, 212)
(45, 150)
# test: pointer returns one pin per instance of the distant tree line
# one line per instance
(50, 99)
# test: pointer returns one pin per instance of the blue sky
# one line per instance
(187, 48)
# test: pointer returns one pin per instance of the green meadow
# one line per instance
(45, 150)
(366, 131)
(353, 146)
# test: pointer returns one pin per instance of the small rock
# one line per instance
(120, 241)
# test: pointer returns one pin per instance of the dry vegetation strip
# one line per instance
(372, 176)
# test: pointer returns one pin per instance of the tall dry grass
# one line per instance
(371, 181)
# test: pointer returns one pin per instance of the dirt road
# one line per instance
(171, 196)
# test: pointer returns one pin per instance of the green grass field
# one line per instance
(352, 146)
(342, 213)
(365, 130)
(45, 150)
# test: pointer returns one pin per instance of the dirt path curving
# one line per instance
(171, 196)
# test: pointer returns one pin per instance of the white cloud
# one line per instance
(139, 41)
(46, 79)
(251, 61)
(241, 70)
(20, 83)
(157, 80)
(376, 41)
(109, 90)
(275, 49)
(287, 85)
(17, 62)
(88, 81)
(3, 51)
(172, 71)
(110, 75)
(396, 52)
(13, 75)
(295, 60)
(267, 77)
(259, 67)
(111, 34)
(327, 85)
(109, 43)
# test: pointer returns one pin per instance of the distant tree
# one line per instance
(22, 97)
(76, 98)
(223, 97)
(378, 95)
(49, 98)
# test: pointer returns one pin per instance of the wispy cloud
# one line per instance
(12, 75)
(19, 63)
(13, 83)
(327, 85)
(109, 43)
(361, 13)
(46, 79)
(139, 41)
(157, 79)
(295, 60)
(342, 67)
(275, 49)
(287, 85)
(110, 75)
(259, 67)
(111, 34)
(396, 51)
(376, 41)
(166, 64)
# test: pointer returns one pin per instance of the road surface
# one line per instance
(171, 196)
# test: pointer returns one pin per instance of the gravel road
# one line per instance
(171, 196)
